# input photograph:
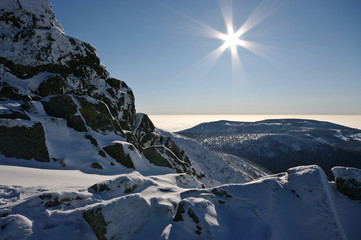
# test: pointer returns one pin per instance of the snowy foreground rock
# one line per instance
(298, 204)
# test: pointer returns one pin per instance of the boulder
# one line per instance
(117, 152)
(348, 181)
(23, 139)
(64, 107)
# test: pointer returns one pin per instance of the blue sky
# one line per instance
(307, 58)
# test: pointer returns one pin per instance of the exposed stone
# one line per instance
(76, 122)
(348, 181)
(97, 116)
(96, 221)
(24, 142)
(116, 151)
(177, 150)
(60, 106)
(15, 115)
(155, 156)
(52, 86)
(8, 92)
(144, 124)
(96, 165)
(92, 140)
(64, 107)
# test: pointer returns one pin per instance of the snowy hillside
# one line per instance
(299, 204)
(280, 144)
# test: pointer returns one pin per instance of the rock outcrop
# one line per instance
(59, 103)
(348, 181)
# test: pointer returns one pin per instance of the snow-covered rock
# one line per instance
(58, 104)
(348, 181)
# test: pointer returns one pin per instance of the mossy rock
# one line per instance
(179, 214)
(114, 83)
(145, 125)
(151, 139)
(118, 84)
(221, 192)
(15, 115)
(24, 142)
(96, 165)
(8, 92)
(52, 86)
(99, 187)
(60, 106)
(349, 187)
(92, 140)
(154, 155)
(95, 219)
(64, 107)
(177, 150)
(76, 122)
(116, 151)
(97, 116)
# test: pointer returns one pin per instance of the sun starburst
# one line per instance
(232, 40)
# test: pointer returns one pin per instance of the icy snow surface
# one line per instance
(300, 204)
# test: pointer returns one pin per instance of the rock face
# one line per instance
(348, 181)
(23, 139)
(58, 102)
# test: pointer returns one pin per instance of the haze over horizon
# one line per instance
(294, 57)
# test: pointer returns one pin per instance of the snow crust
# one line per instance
(347, 173)
(299, 204)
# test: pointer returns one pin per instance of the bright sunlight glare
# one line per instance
(232, 39)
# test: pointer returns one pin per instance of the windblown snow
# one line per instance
(58, 204)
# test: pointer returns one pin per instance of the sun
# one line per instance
(231, 40)
(234, 39)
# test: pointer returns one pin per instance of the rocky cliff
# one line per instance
(59, 104)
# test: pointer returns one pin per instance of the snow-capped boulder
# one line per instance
(348, 181)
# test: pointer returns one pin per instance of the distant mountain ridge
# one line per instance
(283, 143)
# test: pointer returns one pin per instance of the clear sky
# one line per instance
(292, 57)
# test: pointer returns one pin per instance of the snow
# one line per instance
(347, 173)
(47, 178)
(338, 134)
(300, 204)
(355, 137)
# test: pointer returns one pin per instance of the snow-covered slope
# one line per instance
(299, 204)
(220, 168)
(283, 143)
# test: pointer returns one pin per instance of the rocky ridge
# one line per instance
(59, 104)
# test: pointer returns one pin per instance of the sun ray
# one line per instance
(266, 8)
(204, 65)
(227, 12)
(237, 69)
(232, 40)
(197, 28)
